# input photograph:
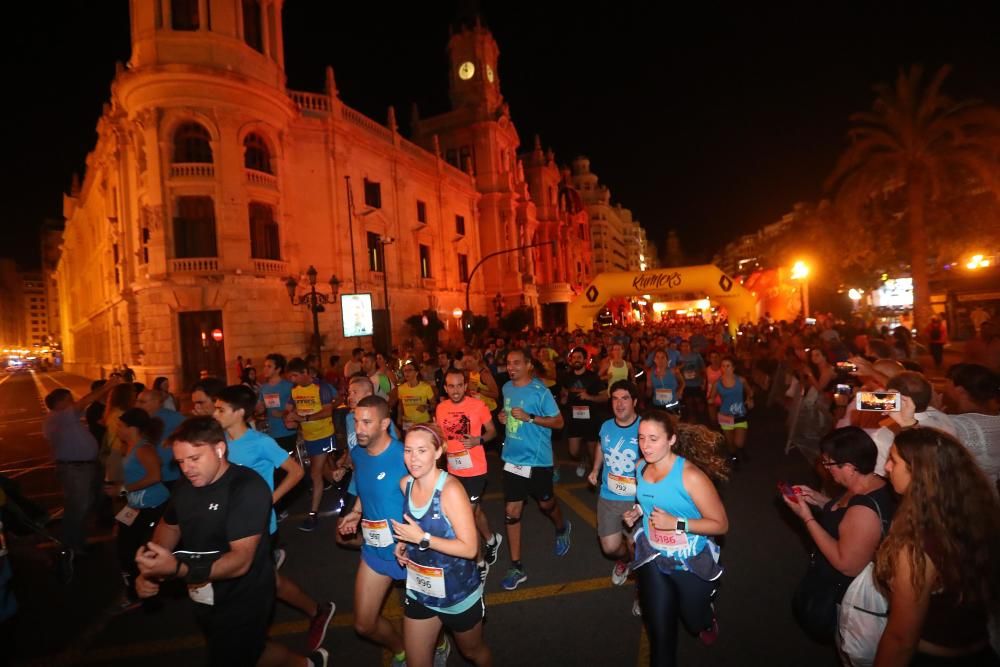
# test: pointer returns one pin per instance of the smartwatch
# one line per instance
(425, 542)
(531, 418)
(682, 525)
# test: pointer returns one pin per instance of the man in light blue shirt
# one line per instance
(530, 413)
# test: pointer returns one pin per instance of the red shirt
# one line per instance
(457, 420)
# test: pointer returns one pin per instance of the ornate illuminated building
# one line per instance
(211, 183)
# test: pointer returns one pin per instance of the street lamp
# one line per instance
(315, 300)
(800, 272)
(383, 241)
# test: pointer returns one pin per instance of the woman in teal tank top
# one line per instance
(437, 543)
(678, 513)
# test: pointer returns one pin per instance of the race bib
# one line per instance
(272, 401)
(426, 580)
(667, 540)
(203, 594)
(127, 515)
(376, 533)
(581, 412)
(459, 460)
(726, 420)
(520, 471)
(689, 375)
(663, 396)
(621, 485)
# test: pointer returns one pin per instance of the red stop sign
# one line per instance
(217, 335)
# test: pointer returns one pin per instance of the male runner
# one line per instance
(203, 396)
(416, 398)
(467, 424)
(221, 513)
(274, 396)
(311, 407)
(530, 414)
(582, 394)
(378, 467)
(617, 456)
(262, 454)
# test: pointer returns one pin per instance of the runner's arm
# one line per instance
(595, 472)
(234, 563)
(489, 430)
(167, 535)
(151, 464)
(294, 474)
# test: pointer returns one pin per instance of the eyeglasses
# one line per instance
(827, 463)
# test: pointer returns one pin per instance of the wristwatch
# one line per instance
(531, 418)
(425, 542)
(682, 525)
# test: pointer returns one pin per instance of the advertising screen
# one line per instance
(356, 311)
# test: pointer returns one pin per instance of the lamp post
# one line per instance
(315, 300)
(383, 241)
(800, 272)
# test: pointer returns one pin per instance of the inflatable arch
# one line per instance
(705, 281)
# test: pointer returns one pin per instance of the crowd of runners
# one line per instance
(654, 417)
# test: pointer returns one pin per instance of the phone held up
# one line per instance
(786, 490)
(878, 401)
(846, 367)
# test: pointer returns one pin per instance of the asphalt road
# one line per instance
(567, 613)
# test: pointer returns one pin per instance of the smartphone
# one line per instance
(786, 490)
(847, 367)
(810, 321)
(843, 390)
(878, 401)
(638, 508)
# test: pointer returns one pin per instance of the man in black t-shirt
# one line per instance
(222, 512)
(583, 395)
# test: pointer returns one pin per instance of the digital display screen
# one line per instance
(356, 312)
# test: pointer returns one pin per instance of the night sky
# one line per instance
(712, 121)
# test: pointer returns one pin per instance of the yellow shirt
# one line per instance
(308, 401)
(412, 399)
(476, 386)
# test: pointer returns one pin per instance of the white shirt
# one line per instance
(981, 436)
(931, 418)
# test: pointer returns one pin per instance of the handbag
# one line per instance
(863, 615)
(814, 604)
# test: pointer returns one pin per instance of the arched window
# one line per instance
(184, 14)
(252, 32)
(256, 154)
(192, 143)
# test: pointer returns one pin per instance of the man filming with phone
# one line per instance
(914, 408)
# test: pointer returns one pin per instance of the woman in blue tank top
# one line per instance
(437, 543)
(665, 383)
(736, 400)
(146, 495)
(678, 513)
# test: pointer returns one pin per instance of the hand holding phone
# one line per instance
(787, 490)
(878, 401)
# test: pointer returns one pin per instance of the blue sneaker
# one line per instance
(563, 541)
(514, 578)
(442, 652)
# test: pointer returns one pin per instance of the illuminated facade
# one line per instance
(211, 183)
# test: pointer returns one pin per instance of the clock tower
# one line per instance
(473, 79)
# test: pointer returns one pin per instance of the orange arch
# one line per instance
(705, 280)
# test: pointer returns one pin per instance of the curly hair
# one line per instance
(700, 445)
(949, 501)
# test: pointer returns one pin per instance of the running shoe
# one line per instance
(279, 557)
(319, 657)
(514, 578)
(319, 623)
(562, 539)
(282, 515)
(442, 652)
(619, 575)
(398, 662)
(581, 470)
(327, 485)
(309, 525)
(484, 570)
(491, 552)
(709, 636)
(636, 608)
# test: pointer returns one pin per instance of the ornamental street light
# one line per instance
(315, 300)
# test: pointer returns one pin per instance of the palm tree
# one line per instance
(916, 139)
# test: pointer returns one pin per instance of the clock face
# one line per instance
(489, 74)
(466, 70)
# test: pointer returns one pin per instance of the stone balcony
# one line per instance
(270, 267)
(261, 179)
(194, 265)
(192, 170)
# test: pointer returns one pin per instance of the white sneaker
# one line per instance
(581, 470)
(636, 609)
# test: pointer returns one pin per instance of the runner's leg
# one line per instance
(658, 598)
(370, 589)
(420, 636)
(317, 465)
(472, 646)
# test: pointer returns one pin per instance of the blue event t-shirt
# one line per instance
(274, 398)
(528, 444)
(169, 470)
(352, 434)
(376, 483)
(620, 447)
(260, 453)
(692, 367)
